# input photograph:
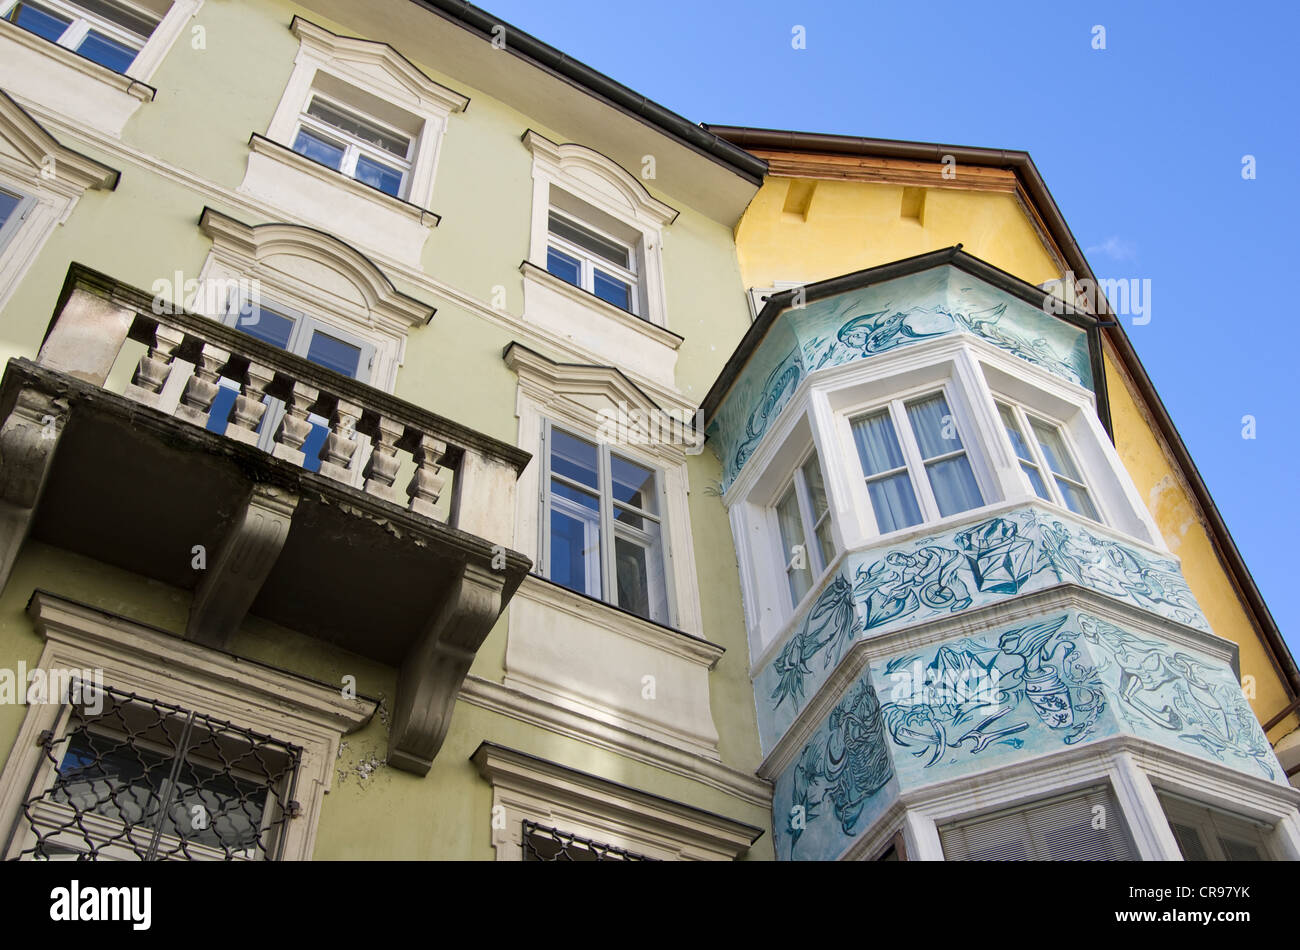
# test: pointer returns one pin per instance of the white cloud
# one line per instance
(1114, 247)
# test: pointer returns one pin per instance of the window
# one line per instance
(303, 336)
(108, 32)
(915, 462)
(356, 145)
(136, 779)
(603, 532)
(597, 263)
(596, 228)
(803, 513)
(14, 208)
(1208, 834)
(1059, 829)
(1047, 461)
(550, 844)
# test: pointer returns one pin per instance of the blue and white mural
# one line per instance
(936, 576)
(863, 323)
(980, 701)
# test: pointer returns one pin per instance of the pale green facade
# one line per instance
(187, 150)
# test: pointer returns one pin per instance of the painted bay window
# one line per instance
(602, 520)
(596, 262)
(355, 144)
(1047, 461)
(108, 32)
(915, 463)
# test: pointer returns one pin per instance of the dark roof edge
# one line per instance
(977, 267)
(695, 137)
(1060, 232)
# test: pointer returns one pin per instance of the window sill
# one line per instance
(587, 299)
(88, 67)
(56, 81)
(613, 617)
(261, 145)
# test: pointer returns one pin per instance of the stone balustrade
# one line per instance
(190, 358)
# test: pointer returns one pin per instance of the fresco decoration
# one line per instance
(869, 321)
(984, 701)
(885, 330)
(844, 766)
(1014, 553)
(776, 392)
(1169, 695)
(975, 694)
(831, 625)
(1106, 565)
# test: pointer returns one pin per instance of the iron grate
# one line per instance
(132, 778)
(551, 844)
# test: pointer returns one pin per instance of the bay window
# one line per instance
(602, 525)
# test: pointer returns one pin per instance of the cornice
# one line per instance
(332, 46)
(571, 155)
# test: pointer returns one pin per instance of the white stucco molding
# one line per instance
(1133, 768)
(319, 274)
(151, 663)
(52, 178)
(615, 737)
(525, 787)
(398, 227)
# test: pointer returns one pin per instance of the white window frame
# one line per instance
(1210, 822)
(609, 528)
(1024, 419)
(1137, 772)
(18, 217)
(589, 262)
(353, 147)
(584, 175)
(374, 69)
(48, 180)
(817, 563)
(83, 21)
(913, 462)
(139, 659)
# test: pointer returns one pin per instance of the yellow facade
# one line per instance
(801, 230)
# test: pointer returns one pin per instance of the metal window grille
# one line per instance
(550, 844)
(131, 778)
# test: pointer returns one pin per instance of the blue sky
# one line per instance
(1141, 144)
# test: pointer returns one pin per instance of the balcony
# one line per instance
(365, 521)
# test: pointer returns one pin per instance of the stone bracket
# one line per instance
(435, 666)
(241, 565)
(28, 439)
